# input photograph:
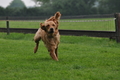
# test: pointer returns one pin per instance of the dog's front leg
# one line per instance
(36, 47)
(37, 38)
(53, 55)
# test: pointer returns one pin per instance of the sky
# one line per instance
(5, 3)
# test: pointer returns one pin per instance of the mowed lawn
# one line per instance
(80, 58)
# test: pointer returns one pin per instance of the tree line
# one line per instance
(66, 7)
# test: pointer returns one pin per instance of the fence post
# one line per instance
(117, 24)
(7, 25)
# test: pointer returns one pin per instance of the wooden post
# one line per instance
(117, 24)
(7, 25)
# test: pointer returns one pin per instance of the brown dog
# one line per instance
(50, 35)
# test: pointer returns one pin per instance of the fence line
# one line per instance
(64, 20)
(107, 34)
(115, 34)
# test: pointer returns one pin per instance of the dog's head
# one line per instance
(50, 26)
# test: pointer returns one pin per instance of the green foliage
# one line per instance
(80, 58)
(109, 6)
(15, 8)
(66, 7)
(2, 11)
(16, 4)
(71, 7)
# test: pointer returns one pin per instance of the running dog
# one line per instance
(49, 34)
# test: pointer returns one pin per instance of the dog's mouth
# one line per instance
(51, 30)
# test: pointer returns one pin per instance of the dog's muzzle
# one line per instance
(51, 30)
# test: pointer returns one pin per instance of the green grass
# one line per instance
(80, 58)
(83, 25)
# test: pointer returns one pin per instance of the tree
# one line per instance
(2, 11)
(16, 4)
(109, 6)
(68, 7)
(74, 7)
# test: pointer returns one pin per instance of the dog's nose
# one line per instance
(51, 29)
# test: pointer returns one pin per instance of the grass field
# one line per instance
(80, 58)
(104, 24)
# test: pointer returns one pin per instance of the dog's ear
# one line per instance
(42, 26)
(51, 18)
(57, 15)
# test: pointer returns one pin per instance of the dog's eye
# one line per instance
(53, 25)
(47, 25)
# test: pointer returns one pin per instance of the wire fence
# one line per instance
(99, 24)
(87, 20)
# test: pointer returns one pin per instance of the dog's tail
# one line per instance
(36, 47)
